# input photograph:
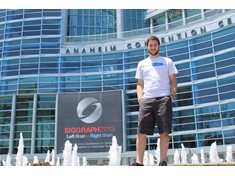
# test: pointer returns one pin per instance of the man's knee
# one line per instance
(164, 135)
(141, 136)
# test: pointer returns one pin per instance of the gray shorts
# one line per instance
(155, 110)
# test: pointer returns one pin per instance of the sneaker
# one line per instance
(164, 163)
(136, 164)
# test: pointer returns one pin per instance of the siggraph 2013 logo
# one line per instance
(93, 116)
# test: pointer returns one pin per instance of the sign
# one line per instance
(89, 120)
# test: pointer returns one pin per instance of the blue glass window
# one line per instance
(204, 85)
(226, 63)
(180, 57)
(183, 120)
(224, 39)
(229, 133)
(224, 46)
(204, 61)
(227, 88)
(223, 32)
(203, 75)
(207, 109)
(177, 51)
(12, 30)
(226, 81)
(51, 32)
(12, 25)
(12, 48)
(91, 78)
(50, 40)
(50, 45)
(206, 99)
(31, 28)
(225, 56)
(226, 96)
(201, 46)
(203, 68)
(200, 39)
(28, 66)
(12, 43)
(91, 84)
(227, 106)
(209, 91)
(184, 73)
(10, 62)
(177, 45)
(229, 69)
(32, 10)
(113, 62)
(29, 52)
(13, 35)
(32, 15)
(183, 113)
(10, 67)
(228, 122)
(32, 22)
(208, 117)
(28, 80)
(32, 33)
(30, 41)
(201, 52)
(51, 26)
(50, 51)
(14, 17)
(229, 141)
(29, 71)
(51, 14)
(228, 114)
(29, 60)
(30, 46)
(210, 135)
(211, 124)
(51, 21)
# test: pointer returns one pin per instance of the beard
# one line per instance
(153, 54)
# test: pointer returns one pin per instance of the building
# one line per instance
(51, 56)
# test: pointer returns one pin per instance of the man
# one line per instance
(156, 89)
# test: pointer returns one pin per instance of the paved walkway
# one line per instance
(202, 164)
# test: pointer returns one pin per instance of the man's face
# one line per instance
(153, 47)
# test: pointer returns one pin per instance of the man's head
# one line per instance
(153, 46)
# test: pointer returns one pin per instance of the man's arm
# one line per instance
(173, 84)
(139, 89)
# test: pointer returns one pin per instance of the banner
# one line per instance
(89, 120)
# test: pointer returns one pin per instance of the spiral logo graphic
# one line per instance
(93, 116)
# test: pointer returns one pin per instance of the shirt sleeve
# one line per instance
(172, 68)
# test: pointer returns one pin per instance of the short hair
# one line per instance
(41, 163)
(152, 38)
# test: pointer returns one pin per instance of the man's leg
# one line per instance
(140, 148)
(164, 144)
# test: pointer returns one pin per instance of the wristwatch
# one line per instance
(172, 95)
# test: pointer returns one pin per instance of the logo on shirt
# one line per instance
(157, 64)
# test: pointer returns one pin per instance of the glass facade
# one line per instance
(33, 72)
(91, 21)
(103, 21)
